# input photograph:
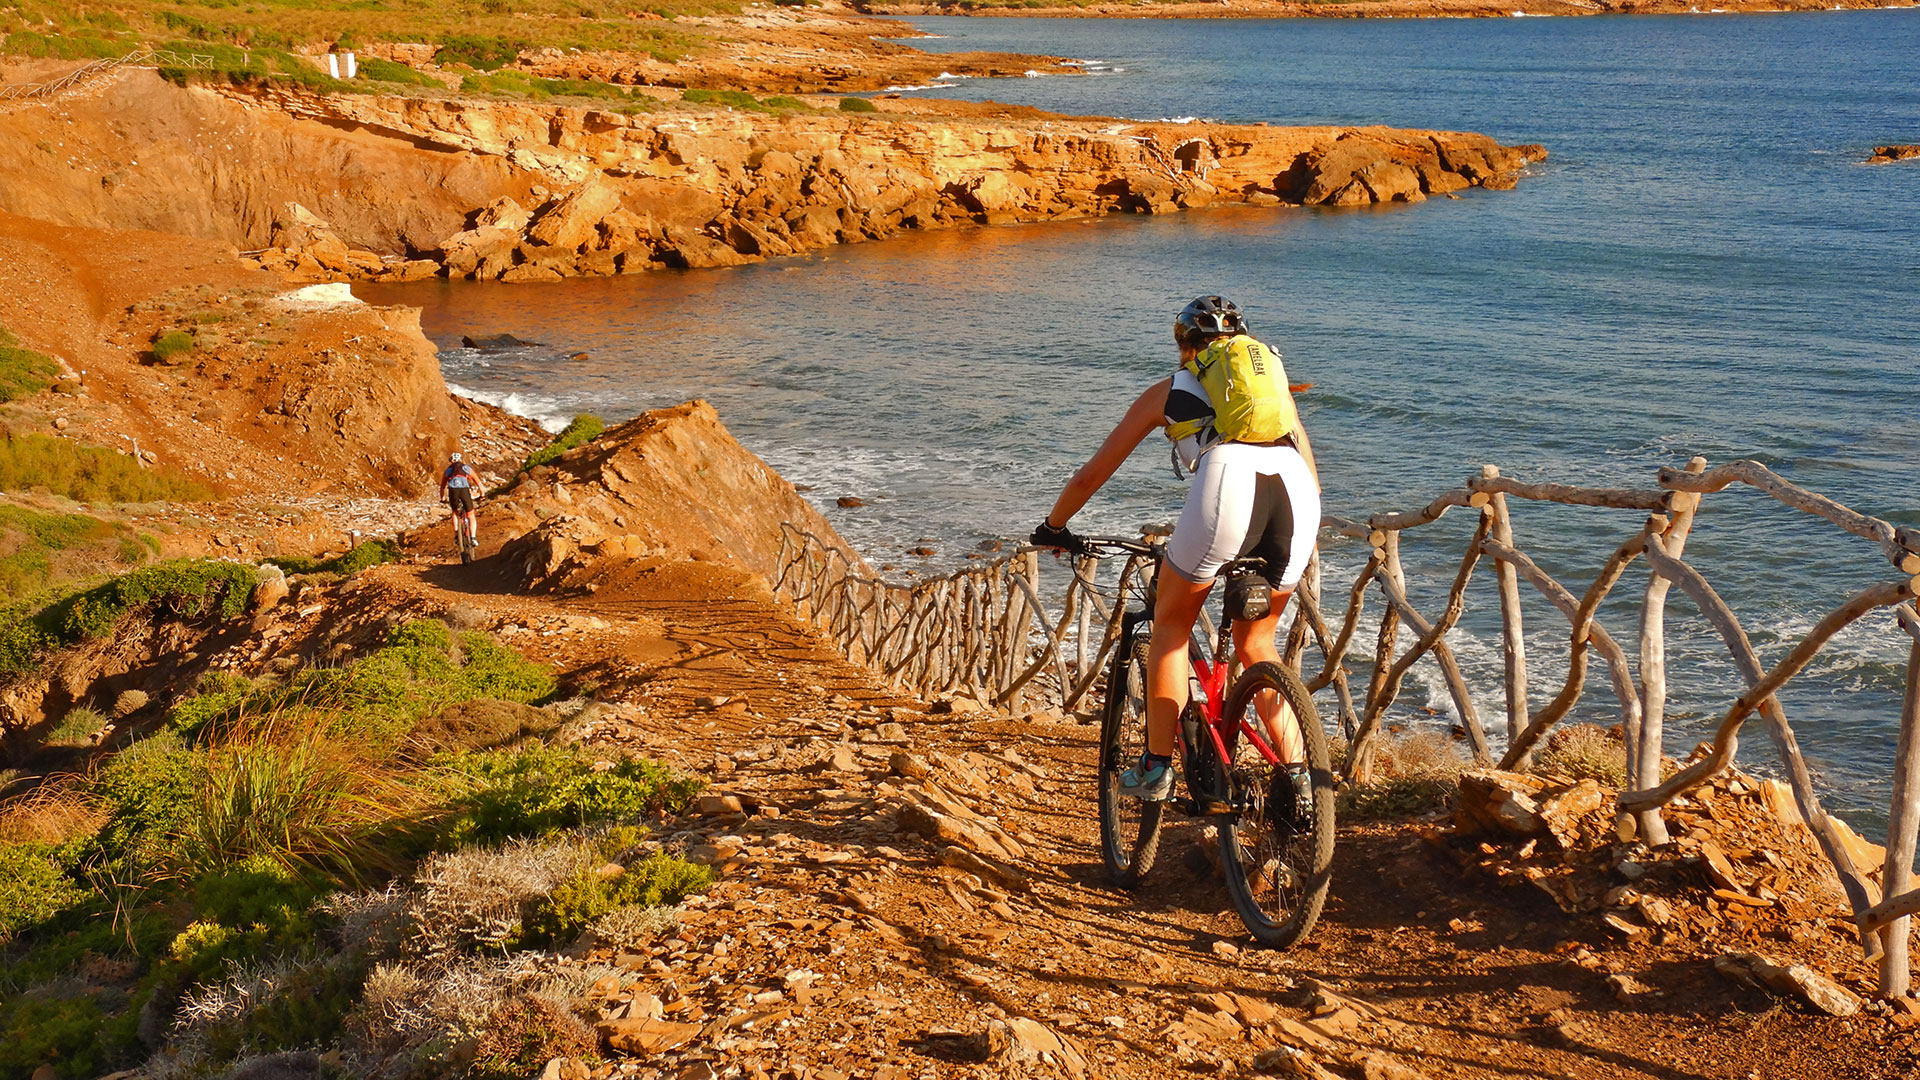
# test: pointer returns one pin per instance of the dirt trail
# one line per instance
(838, 945)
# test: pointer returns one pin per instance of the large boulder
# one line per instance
(572, 221)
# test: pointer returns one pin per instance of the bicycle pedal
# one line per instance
(1213, 808)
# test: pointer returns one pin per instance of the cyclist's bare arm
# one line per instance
(1145, 416)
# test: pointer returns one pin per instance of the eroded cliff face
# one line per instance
(622, 193)
(411, 186)
(669, 486)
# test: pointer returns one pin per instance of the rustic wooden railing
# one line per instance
(81, 74)
(988, 631)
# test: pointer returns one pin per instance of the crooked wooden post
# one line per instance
(1644, 746)
(1903, 822)
(1513, 640)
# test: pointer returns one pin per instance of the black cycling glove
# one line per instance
(1048, 536)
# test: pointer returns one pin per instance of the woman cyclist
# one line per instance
(1248, 498)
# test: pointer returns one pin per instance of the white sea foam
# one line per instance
(921, 86)
(547, 411)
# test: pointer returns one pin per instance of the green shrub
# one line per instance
(541, 790)
(219, 694)
(182, 588)
(36, 539)
(857, 104)
(172, 345)
(147, 792)
(581, 429)
(23, 372)
(34, 887)
(659, 880)
(72, 1034)
(76, 728)
(88, 473)
(483, 53)
(423, 669)
(387, 71)
(364, 554)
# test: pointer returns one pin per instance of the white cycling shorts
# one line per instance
(1247, 500)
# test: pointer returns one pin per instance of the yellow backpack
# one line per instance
(1247, 387)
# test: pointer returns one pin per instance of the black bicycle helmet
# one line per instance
(1206, 318)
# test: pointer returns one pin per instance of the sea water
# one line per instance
(1703, 266)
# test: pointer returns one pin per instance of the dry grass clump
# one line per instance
(52, 813)
(476, 899)
(1415, 775)
(1584, 752)
(633, 927)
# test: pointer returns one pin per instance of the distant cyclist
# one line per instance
(456, 487)
(1230, 414)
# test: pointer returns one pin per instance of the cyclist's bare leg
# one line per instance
(1255, 641)
(1175, 608)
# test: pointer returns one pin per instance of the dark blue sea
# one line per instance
(1703, 266)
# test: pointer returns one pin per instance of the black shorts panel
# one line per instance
(1270, 532)
(461, 499)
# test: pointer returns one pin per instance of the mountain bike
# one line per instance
(464, 538)
(1275, 817)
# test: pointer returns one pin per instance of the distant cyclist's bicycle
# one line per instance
(1275, 817)
(464, 537)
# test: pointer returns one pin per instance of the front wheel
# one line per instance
(1276, 845)
(1129, 827)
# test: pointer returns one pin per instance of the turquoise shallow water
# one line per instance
(1701, 267)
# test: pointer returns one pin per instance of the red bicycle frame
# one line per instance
(1212, 677)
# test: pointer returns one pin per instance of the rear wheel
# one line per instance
(1129, 827)
(463, 535)
(1276, 846)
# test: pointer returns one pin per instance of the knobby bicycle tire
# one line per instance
(1276, 846)
(1129, 827)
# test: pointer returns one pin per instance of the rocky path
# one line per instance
(843, 942)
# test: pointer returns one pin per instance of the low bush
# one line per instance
(23, 372)
(172, 345)
(518, 84)
(365, 554)
(582, 429)
(88, 473)
(481, 53)
(47, 548)
(738, 99)
(183, 588)
(542, 790)
(524, 1034)
(857, 104)
(387, 71)
(34, 887)
(657, 881)
(76, 728)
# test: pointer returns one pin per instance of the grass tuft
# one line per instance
(23, 372)
(33, 462)
(366, 554)
(857, 104)
(582, 429)
(1584, 752)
